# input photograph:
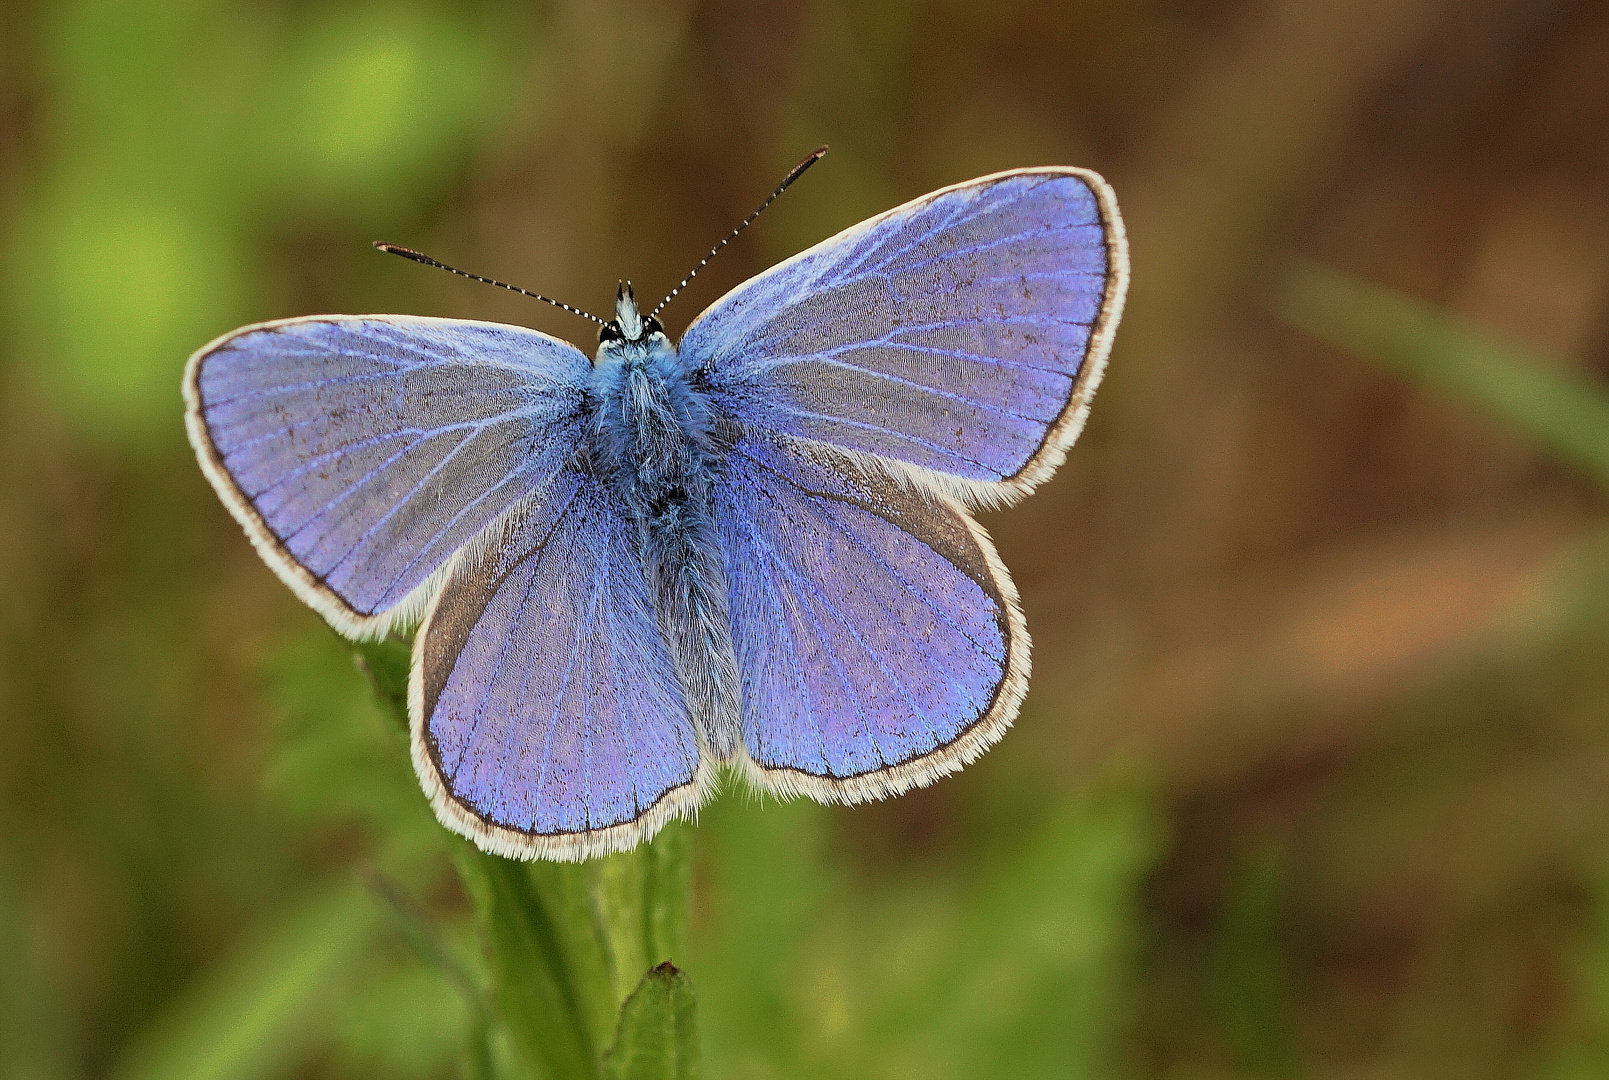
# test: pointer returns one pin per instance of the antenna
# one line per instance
(409, 253)
(798, 171)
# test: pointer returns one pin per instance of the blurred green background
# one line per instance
(1313, 779)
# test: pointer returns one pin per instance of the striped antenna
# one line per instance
(409, 253)
(798, 171)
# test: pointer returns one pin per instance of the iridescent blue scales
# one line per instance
(753, 550)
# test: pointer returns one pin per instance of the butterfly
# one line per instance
(752, 548)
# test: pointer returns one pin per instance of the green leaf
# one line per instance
(1566, 413)
(658, 1034)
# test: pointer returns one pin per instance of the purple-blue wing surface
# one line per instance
(962, 333)
(362, 452)
(547, 718)
(878, 639)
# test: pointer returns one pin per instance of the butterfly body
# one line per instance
(655, 436)
(751, 549)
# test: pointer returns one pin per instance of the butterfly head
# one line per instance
(628, 325)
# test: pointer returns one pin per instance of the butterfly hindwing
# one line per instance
(361, 452)
(878, 638)
(962, 334)
(547, 719)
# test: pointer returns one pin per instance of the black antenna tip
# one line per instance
(798, 170)
(406, 253)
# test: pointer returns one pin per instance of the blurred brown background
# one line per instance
(1342, 635)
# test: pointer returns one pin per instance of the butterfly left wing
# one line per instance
(878, 638)
(547, 718)
(959, 337)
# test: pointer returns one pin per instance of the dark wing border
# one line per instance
(1066, 428)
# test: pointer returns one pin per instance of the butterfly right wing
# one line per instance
(957, 339)
(361, 453)
(547, 717)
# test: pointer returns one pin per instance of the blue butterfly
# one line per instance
(751, 549)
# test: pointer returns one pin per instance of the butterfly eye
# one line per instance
(610, 331)
(651, 325)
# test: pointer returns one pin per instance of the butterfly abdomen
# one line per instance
(654, 438)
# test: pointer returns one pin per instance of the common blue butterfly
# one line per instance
(753, 548)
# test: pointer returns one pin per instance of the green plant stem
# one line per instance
(539, 989)
(566, 944)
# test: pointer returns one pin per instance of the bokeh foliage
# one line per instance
(1312, 777)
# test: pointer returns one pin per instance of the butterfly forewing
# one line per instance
(961, 334)
(361, 453)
